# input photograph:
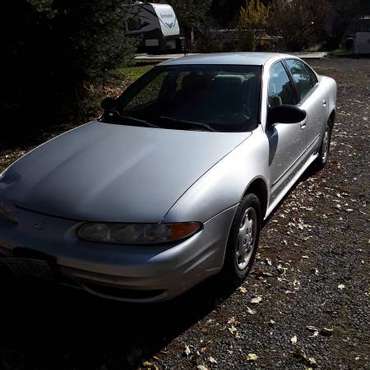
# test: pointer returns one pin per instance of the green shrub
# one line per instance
(302, 23)
(50, 49)
(207, 42)
(247, 41)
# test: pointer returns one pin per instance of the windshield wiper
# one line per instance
(138, 120)
(186, 123)
(115, 117)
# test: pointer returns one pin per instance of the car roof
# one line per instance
(256, 59)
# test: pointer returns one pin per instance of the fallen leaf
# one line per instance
(252, 357)
(232, 320)
(250, 311)
(187, 350)
(242, 290)
(202, 367)
(296, 284)
(314, 329)
(150, 365)
(256, 300)
(294, 340)
(327, 332)
(212, 360)
(232, 329)
(267, 274)
(282, 270)
(311, 328)
(311, 361)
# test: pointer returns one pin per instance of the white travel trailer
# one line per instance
(358, 37)
(155, 26)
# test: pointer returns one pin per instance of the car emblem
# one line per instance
(7, 211)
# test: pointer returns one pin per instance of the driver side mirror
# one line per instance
(285, 114)
(108, 103)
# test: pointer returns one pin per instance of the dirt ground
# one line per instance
(305, 305)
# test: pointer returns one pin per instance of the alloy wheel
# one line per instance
(246, 238)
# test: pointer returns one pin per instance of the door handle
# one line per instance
(303, 124)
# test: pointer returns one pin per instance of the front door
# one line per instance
(285, 140)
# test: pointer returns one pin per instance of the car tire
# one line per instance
(243, 240)
(324, 150)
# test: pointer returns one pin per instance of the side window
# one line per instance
(280, 90)
(303, 77)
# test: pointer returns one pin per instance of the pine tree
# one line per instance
(253, 15)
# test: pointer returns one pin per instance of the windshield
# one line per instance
(197, 97)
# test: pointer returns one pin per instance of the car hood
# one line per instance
(114, 173)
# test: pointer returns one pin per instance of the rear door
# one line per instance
(311, 99)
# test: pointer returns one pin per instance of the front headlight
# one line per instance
(137, 233)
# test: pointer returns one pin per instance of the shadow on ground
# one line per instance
(49, 327)
(45, 326)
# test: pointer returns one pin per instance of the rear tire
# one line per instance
(324, 150)
(243, 240)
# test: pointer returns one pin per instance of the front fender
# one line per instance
(224, 185)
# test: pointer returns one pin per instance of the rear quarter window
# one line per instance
(303, 77)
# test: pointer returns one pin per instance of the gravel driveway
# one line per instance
(305, 305)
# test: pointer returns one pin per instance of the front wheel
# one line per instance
(243, 240)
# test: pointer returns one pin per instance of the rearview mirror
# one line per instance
(285, 114)
(108, 103)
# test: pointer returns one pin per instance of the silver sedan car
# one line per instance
(172, 183)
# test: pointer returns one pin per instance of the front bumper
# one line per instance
(127, 273)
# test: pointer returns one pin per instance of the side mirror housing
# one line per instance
(285, 114)
(108, 104)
